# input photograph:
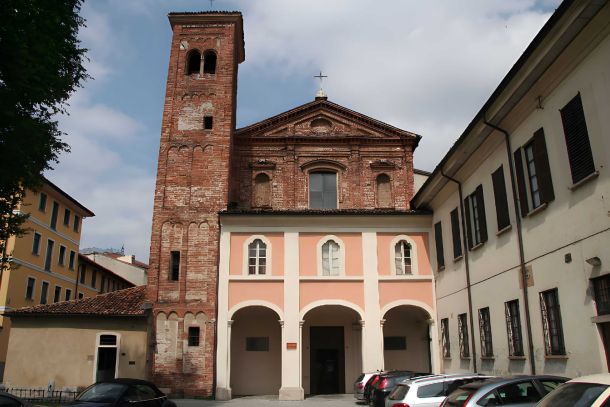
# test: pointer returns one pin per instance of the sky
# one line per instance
(423, 66)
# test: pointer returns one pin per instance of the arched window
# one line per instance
(384, 191)
(323, 190)
(331, 259)
(209, 62)
(261, 196)
(257, 257)
(402, 257)
(193, 63)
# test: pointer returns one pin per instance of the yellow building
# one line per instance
(43, 263)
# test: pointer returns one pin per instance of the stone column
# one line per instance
(291, 332)
(435, 360)
(372, 335)
(223, 330)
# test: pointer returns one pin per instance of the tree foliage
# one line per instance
(41, 64)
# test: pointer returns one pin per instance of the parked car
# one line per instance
(520, 391)
(386, 383)
(122, 393)
(369, 385)
(359, 385)
(586, 391)
(8, 400)
(428, 391)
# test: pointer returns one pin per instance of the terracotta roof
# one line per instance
(127, 302)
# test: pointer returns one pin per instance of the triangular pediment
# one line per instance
(323, 119)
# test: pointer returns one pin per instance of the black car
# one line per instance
(368, 387)
(386, 383)
(122, 393)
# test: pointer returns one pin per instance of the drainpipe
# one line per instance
(513, 184)
(467, 265)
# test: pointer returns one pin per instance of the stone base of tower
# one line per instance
(292, 393)
(223, 393)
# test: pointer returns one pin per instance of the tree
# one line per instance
(41, 65)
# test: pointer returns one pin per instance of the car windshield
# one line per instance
(102, 392)
(573, 395)
(459, 397)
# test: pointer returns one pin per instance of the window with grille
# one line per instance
(331, 258)
(601, 289)
(445, 338)
(323, 190)
(463, 336)
(257, 257)
(580, 154)
(193, 336)
(551, 323)
(402, 257)
(513, 328)
(485, 333)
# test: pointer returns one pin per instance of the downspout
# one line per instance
(467, 265)
(528, 322)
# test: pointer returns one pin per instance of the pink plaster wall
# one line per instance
(260, 290)
(351, 291)
(308, 253)
(384, 241)
(390, 291)
(237, 252)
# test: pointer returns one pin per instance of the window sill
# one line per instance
(488, 358)
(584, 181)
(556, 357)
(331, 278)
(517, 358)
(504, 230)
(446, 357)
(402, 277)
(256, 277)
(534, 211)
(477, 246)
(465, 358)
(441, 268)
(458, 258)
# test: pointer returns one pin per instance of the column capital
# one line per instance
(361, 322)
(301, 323)
(382, 322)
(230, 322)
(281, 322)
(430, 321)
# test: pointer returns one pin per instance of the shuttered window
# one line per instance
(476, 223)
(532, 161)
(438, 236)
(577, 139)
(500, 196)
(455, 234)
(323, 190)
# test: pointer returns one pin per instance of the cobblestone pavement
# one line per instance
(334, 400)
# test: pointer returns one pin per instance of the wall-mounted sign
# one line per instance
(291, 345)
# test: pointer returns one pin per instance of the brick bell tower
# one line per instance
(192, 186)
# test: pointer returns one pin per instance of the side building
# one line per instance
(43, 263)
(94, 279)
(522, 215)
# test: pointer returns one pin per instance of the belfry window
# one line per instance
(257, 257)
(323, 190)
(331, 260)
(402, 257)
(209, 62)
(193, 63)
(208, 122)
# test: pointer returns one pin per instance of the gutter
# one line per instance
(467, 265)
(513, 185)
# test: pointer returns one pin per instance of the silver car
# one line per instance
(428, 391)
(522, 391)
(359, 385)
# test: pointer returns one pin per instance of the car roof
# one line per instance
(127, 381)
(601, 378)
(498, 381)
(444, 377)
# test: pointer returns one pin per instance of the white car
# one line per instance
(359, 385)
(586, 391)
(428, 391)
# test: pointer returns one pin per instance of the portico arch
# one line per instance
(331, 346)
(409, 337)
(256, 350)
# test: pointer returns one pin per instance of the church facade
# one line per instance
(285, 256)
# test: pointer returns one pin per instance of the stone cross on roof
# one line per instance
(320, 93)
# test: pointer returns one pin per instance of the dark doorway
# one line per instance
(106, 364)
(327, 360)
